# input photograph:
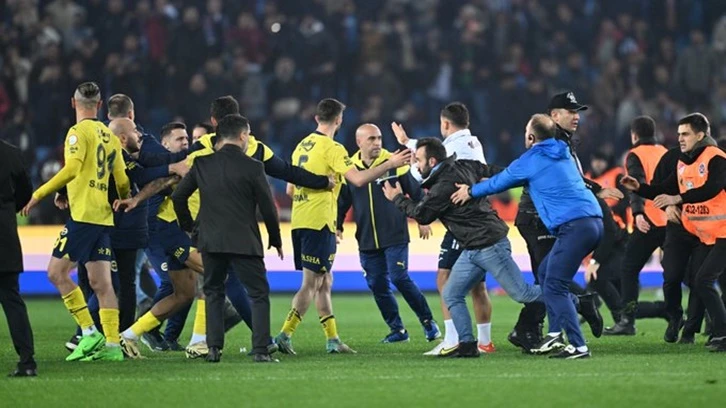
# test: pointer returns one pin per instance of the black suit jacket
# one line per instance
(232, 186)
(15, 192)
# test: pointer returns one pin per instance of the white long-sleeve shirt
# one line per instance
(462, 142)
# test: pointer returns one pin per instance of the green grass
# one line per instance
(637, 371)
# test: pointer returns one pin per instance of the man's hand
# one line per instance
(665, 200)
(26, 210)
(338, 236)
(279, 251)
(630, 183)
(61, 201)
(673, 213)
(400, 158)
(591, 272)
(461, 196)
(400, 134)
(391, 191)
(179, 168)
(425, 231)
(612, 193)
(128, 203)
(642, 224)
(331, 181)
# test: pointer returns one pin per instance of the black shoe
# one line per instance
(174, 345)
(524, 339)
(674, 327)
(26, 372)
(215, 354)
(687, 338)
(549, 344)
(265, 358)
(271, 349)
(154, 341)
(717, 345)
(72, 343)
(461, 350)
(588, 310)
(571, 353)
(624, 327)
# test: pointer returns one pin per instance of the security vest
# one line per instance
(706, 220)
(649, 156)
(609, 179)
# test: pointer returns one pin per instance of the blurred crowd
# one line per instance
(387, 60)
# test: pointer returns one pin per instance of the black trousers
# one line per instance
(251, 272)
(539, 244)
(126, 264)
(17, 316)
(607, 284)
(678, 248)
(708, 266)
(639, 249)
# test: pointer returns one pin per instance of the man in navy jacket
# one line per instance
(568, 210)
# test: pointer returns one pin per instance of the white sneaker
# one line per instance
(436, 350)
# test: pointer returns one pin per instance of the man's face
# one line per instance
(424, 164)
(133, 140)
(687, 139)
(198, 132)
(598, 166)
(567, 119)
(370, 144)
(177, 141)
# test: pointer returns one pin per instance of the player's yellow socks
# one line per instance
(109, 321)
(145, 324)
(292, 320)
(329, 327)
(200, 318)
(76, 304)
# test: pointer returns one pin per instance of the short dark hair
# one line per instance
(169, 127)
(119, 106)
(698, 122)
(230, 126)
(456, 113)
(207, 127)
(223, 106)
(644, 127)
(328, 109)
(87, 94)
(543, 127)
(434, 148)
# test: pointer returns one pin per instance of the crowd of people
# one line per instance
(391, 60)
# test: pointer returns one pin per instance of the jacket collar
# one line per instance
(358, 159)
(459, 134)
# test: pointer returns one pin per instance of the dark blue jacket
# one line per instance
(554, 181)
(379, 223)
(131, 229)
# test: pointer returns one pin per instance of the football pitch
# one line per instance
(638, 371)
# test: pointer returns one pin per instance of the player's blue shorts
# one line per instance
(313, 250)
(169, 247)
(449, 252)
(83, 242)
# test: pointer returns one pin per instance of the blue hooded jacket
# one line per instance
(554, 182)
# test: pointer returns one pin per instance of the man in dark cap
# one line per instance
(527, 334)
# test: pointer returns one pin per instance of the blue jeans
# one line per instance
(575, 239)
(469, 270)
(390, 265)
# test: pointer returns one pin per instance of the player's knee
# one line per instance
(57, 276)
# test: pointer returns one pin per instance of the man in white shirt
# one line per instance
(458, 141)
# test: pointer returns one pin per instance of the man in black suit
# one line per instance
(15, 192)
(231, 186)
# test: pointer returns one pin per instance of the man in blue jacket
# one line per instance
(569, 211)
(382, 234)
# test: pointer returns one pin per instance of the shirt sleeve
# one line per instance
(339, 160)
(635, 170)
(280, 169)
(180, 198)
(514, 175)
(75, 146)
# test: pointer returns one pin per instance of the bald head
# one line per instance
(540, 127)
(369, 139)
(126, 131)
